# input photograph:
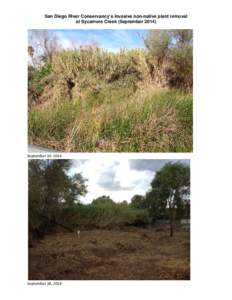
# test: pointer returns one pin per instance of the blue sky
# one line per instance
(112, 40)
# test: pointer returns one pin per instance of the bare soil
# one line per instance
(131, 254)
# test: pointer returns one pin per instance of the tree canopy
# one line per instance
(172, 52)
(50, 189)
(138, 201)
(102, 200)
(169, 190)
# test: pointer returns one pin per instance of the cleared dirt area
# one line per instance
(134, 253)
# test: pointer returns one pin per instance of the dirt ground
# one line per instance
(132, 254)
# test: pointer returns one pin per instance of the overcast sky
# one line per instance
(119, 179)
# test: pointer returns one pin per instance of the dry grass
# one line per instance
(91, 100)
(150, 120)
(112, 254)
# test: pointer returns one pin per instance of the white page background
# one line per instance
(211, 199)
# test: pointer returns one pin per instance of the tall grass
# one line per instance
(151, 120)
(102, 101)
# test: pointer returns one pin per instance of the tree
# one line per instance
(169, 188)
(102, 200)
(51, 189)
(138, 201)
(158, 43)
(172, 52)
(182, 37)
(31, 52)
(43, 44)
(180, 71)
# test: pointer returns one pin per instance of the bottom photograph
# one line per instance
(109, 219)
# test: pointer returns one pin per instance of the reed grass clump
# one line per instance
(90, 100)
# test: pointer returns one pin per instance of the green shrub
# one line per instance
(38, 79)
(106, 213)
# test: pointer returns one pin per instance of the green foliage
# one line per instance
(173, 176)
(180, 71)
(38, 79)
(169, 188)
(50, 189)
(53, 123)
(158, 43)
(138, 201)
(151, 120)
(54, 201)
(95, 100)
(106, 213)
(172, 52)
(103, 200)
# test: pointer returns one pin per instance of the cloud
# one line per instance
(113, 176)
(119, 179)
(109, 182)
(153, 164)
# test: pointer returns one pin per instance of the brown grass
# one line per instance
(112, 254)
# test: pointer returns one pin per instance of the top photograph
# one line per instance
(110, 90)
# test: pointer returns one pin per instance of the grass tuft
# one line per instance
(150, 120)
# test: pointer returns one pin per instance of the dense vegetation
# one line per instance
(54, 200)
(90, 99)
